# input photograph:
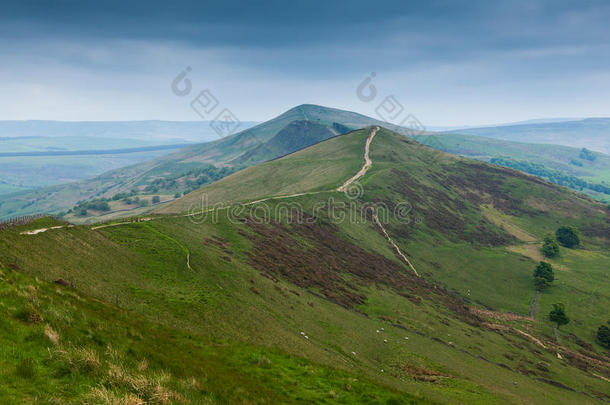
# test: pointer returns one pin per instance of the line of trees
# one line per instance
(554, 176)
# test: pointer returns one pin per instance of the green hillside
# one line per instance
(588, 172)
(304, 299)
(321, 167)
(295, 136)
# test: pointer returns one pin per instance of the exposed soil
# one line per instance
(367, 162)
(503, 316)
(421, 373)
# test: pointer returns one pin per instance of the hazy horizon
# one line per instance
(448, 126)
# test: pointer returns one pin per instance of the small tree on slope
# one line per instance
(550, 248)
(543, 275)
(603, 335)
(558, 315)
(567, 236)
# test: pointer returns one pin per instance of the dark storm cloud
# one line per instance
(447, 45)
(448, 26)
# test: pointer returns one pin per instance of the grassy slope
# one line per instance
(218, 300)
(321, 167)
(498, 276)
(59, 346)
(224, 297)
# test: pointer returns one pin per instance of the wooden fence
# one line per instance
(11, 222)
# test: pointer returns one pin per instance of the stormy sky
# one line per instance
(447, 62)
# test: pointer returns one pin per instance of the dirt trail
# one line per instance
(394, 245)
(532, 338)
(41, 230)
(367, 162)
(367, 165)
(534, 306)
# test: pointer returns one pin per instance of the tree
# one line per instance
(543, 276)
(156, 199)
(603, 335)
(545, 270)
(550, 247)
(541, 283)
(567, 236)
(558, 315)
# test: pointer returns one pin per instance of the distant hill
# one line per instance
(590, 133)
(168, 177)
(184, 167)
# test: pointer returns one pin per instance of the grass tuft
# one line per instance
(26, 368)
